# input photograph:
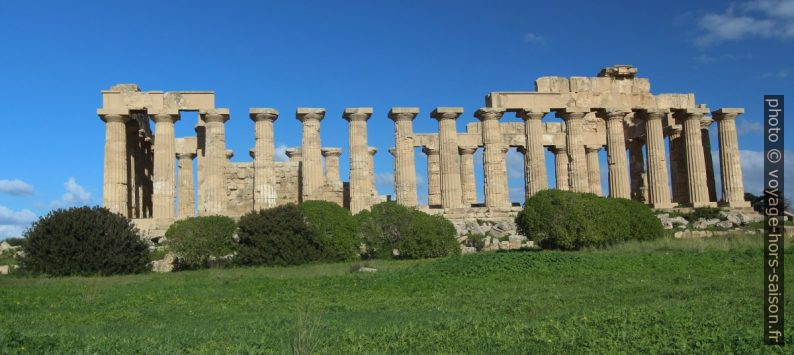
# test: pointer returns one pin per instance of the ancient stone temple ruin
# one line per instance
(614, 110)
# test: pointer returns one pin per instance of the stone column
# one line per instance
(637, 170)
(312, 181)
(493, 158)
(695, 159)
(148, 185)
(574, 120)
(451, 194)
(467, 174)
(404, 163)
(561, 167)
(658, 188)
(140, 171)
(433, 176)
(705, 123)
(730, 168)
(360, 185)
(114, 188)
(593, 169)
(131, 128)
(201, 167)
(371, 176)
(535, 177)
(265, 195)
(164, 194)
(294, 155)
(215, 161)
(616, 153)
(678, 165)
(186, 205)
(332, 165)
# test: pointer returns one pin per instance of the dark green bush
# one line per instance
(83, 241)
(414, 234)
(198, 240)
(567, 220)
(277, 236)
(334, 228)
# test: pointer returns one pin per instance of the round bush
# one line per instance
(414, 234)
(335, 229)
(567, 220)
(198, 240)
(277, 236)
(83, 241)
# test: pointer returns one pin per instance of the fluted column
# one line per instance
(215, 161)
(467, 174)
(312, 168)
(332, 165)
(616, 153)
(495, 177)
(658, 187)
(186, 205)
(114, 187)
(593, 169)
(451, 194)
(535, 176)
(577, 161)
(265, 195)
(131, 128)
(360, 185)
(201, 166)
(433, 175)
(164, 194)
(678, 165)
(404, 161)
(705, 123)
(695, 160)
(730, 168)
(637, 171)
(148, 178)
(561, 167)
(140, 169)
(373, 190)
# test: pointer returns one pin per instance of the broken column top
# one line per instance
(619, 71)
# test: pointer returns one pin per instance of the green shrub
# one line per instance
(476, 241)
(567, 220)
(14, 242)
(198, 240)
(83, 241)
(277, 236)
(335, 229)
(414, 234)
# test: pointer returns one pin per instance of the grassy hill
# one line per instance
(662, 296)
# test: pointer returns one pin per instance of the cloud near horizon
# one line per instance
(745, 20)
(75, 195)
(15, 187)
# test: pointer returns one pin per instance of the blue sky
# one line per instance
(57, 56)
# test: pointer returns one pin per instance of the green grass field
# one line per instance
(666, 296)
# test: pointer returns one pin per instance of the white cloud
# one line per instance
(533, 38)
(13, 223)
(281, 153)
(11, 231)
(15, 187)
(749, 127)
(780, 74)
(515, 164)
(753, 19)
(384, 182)
(75, 195)
(752, 163)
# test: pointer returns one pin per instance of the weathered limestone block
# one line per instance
(433, 176)
(552, 84)
(239, 185)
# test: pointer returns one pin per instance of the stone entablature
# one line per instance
(614, 111)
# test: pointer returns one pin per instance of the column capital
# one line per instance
(572, 113)
(674, 130)
(467, 149)
(331, 152)
(262, 114)
(293, 153)
(692, 112)
(446, 113)
(185, 155)
(215, 115)
(489, 113)
(403, 113)
(114, 117)
(532, 113)
(612, 113)
(557, 148)
(229, 153)
(430, 150)
(705, 122)
(353, 114)
(252, 153)
(592, 148)
(304, 114)
(726, 114)
(372, 150)
(651, 114)
(393, 151)
(165, 117)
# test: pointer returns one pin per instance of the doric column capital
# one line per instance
(114, 117)
(293, 153)
(229, 153)
(393, 151)
(446, 113)
(557, 148)
(572, 113)
(165, 117)
(215, 115)
(532, 113)
(403, 113)
(252, 153)
(674, 131)
(726, 114)
(304, 114)
(650, 114)
(372, 150)
(612, 113)
(705, 122)
(489, 113)
(262, 114)
(430, 150)
(521, 149)
(353, 114)
(592, 148)
(331, 152)
(693, 113)
(185, 156)
(505, 149)
(467, 150)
